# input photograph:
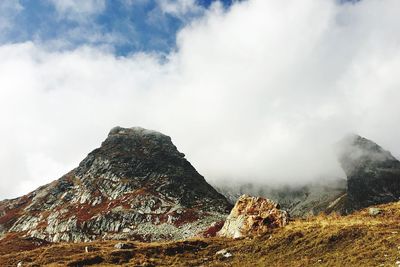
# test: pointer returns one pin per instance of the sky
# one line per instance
(255, 90)
(122, 26)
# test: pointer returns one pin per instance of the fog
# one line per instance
(259, 92)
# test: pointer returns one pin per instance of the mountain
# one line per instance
(308, 199)
(373, 174)
(372, 177)
(137, 185)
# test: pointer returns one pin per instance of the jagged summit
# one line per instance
(356, 153)
(137, 130)
(135, 185)
(134, 152)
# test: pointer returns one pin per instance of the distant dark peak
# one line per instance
(365, 144)
(373, 174)
(356, 153)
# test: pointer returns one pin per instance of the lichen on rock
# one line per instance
(253, 215)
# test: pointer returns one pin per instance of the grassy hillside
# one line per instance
(359, 239)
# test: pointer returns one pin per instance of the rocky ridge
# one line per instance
(137, 185)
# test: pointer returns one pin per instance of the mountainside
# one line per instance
(373, 177)
(373, 174)
(137, 185)
(310, 199)
(359, 239)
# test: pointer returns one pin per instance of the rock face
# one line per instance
(373, 174)
(253, 215)
(137, 185)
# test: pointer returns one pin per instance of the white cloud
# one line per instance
(77, 9)
(180, 8)
(8, 10)
(259, 92)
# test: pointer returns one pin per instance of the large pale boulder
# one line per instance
(253, 215)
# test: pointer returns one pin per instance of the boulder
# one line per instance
(121, 245)
(253, 215)
(374, 211)
(224, 253)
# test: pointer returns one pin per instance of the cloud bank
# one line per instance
(256, 93)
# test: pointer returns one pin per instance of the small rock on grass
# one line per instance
(121, 245)
(224, 253)
(374, 211)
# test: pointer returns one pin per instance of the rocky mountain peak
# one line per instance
(135, 185)
(134, 152)
(373, 174)
(356, 153)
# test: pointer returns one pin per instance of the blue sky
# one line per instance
(125, 26)
(249, 86)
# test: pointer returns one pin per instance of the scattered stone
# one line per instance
(374, 211)
(19, 264)
(228, 255)
(121, 245)
(253, 215)
(224, 253)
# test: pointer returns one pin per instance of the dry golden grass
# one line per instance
(355, 240)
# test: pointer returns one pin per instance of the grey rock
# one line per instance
(124, 246)
(374, 211)
(224, 253)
